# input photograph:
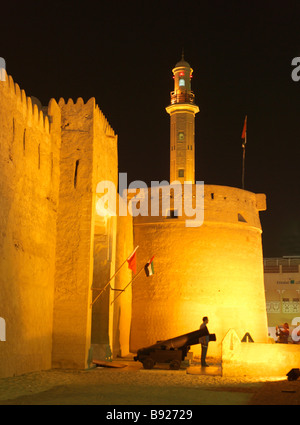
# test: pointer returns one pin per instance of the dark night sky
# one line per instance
(122, 53)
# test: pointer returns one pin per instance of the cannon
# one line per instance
(171, 351)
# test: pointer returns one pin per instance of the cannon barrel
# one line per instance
(178, 342)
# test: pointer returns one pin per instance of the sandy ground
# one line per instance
(133, 385)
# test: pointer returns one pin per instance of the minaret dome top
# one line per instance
(182, 62)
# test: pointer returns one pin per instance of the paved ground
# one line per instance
(133, 385)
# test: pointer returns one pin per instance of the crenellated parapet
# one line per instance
(51, 159)
(80, 108)
(104, 122)
(34, 116)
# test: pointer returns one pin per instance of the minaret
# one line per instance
(182, 111)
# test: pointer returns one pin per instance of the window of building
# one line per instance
(181, 173)
(24, 140)
(76, 173)
(181, 82)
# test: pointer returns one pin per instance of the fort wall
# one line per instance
(123, 303)
(51, 160)
(105, 234)
(214, 270)
(85, 245)
(29, 179)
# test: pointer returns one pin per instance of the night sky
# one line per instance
(122, 53)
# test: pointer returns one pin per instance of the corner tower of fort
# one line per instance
(215, 269)
(53, 246)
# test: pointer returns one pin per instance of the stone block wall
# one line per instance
(51, 160)
(29, 179)
(213, 270)
(88, 155)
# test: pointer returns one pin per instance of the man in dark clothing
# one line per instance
(204, 342)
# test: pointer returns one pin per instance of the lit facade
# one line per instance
(182, 110)
(282, 287)
(57, 253)
(53, 246)
(213, 270)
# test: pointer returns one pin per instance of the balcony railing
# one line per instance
(282, 265)
(182, 97)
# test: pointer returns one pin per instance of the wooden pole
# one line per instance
(244, 153)
(128, 284)
(243, 172)
(102, 290)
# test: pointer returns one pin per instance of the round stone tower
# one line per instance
(213, 267)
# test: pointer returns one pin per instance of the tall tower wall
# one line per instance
(182, 110)
(86, 243)
(29, 182)
(182, 146)
(214, 270)
(74, 266)
(53, 245)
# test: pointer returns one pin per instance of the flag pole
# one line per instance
(244, 137)
(128, 284)
(243, 172)
(103, 289)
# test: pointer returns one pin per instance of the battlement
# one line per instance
(106, 126)
(220, 204)
(71, 107)
(35, 116)
(51, 159)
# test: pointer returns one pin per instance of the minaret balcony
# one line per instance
(182, 97)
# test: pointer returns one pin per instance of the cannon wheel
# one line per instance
(175, 364)
(148, 363)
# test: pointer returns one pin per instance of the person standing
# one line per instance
(204, 342)
(283, 333)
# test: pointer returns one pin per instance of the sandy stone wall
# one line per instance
(88, 155)
(105, 234)
(29, 178)
(123, 304)
(53, 245)
(182, 155)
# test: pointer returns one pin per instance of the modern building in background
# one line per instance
(282, 287)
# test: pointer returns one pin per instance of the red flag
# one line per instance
(131, 260)
(244, 129)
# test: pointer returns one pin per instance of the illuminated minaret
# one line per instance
(182, 111)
